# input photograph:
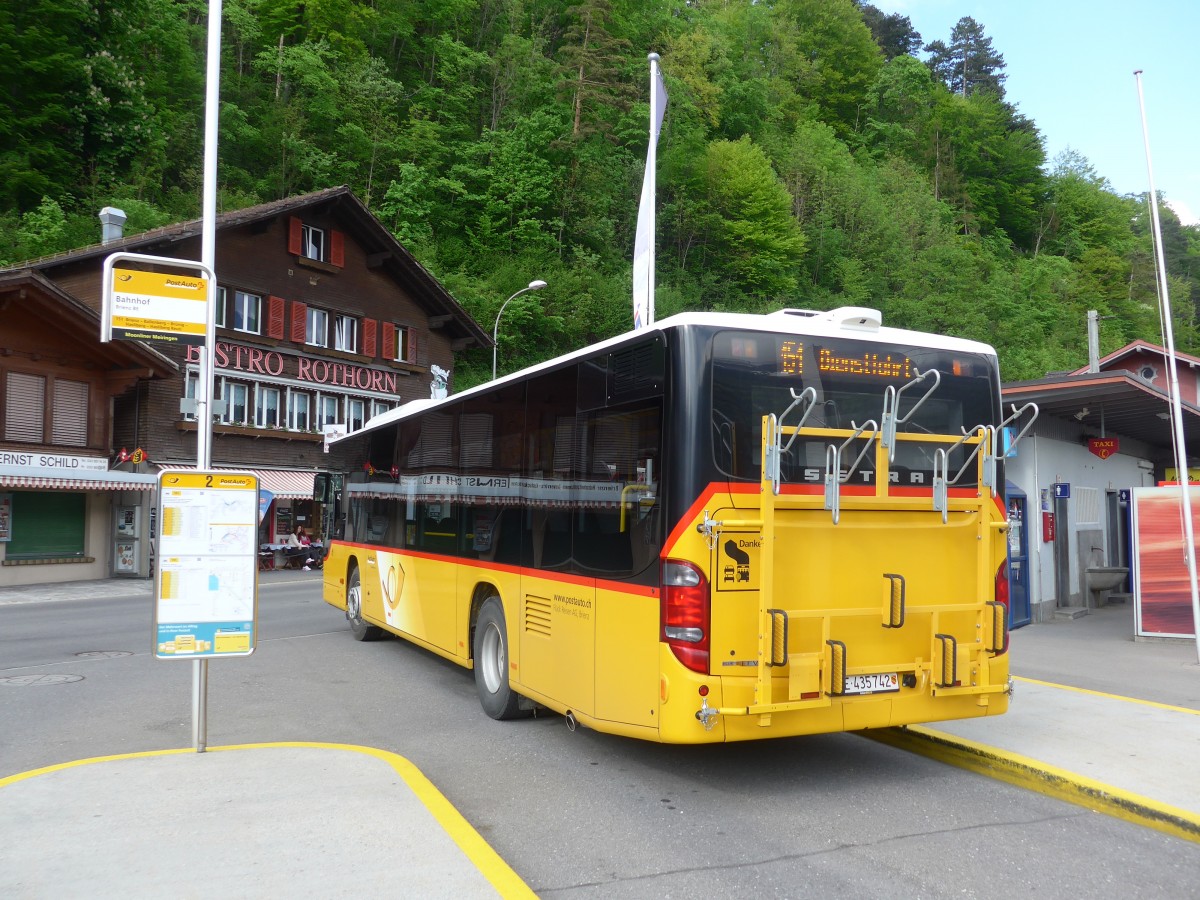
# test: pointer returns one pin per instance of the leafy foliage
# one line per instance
(809, 158)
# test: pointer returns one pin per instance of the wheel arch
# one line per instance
(483, 590)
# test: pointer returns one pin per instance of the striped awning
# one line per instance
(284, 484)
(290, 485)
(23, 477)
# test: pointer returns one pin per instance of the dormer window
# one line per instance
(317, 248)
(312, 243)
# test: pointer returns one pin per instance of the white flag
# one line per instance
(643, 245)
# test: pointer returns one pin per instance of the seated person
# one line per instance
(297, 548)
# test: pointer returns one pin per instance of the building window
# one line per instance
(346, 334)
(327, 411)
(219, 312)
(247, 312)
(68, 425)
(25, 407)
(266, 410)
(298, 411)
(354, 414)
(399, 343)
(47, 525)
(191, 381)
(317, 332)
(379, 407)
(312, 243)
(237, 403)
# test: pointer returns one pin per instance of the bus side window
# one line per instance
(509, 540)
(377, 527)
(601, 546)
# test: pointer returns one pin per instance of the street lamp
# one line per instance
(536, 285)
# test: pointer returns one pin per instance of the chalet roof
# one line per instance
(78, 323)
(340, 202)
(1140, 346)
(1114, 401)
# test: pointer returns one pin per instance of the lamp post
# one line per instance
(535, 285)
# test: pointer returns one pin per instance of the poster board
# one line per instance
(1161, 590)
(206, 567)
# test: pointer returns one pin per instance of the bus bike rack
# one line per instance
(834, 477)
(773, 435)
(988, 442)
(885, 431)
(891, 408)
(772, 457)
(771, 653)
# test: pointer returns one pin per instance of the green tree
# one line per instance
(893, 32)
(969, 63)
(750, 219)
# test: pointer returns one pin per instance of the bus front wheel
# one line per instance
(491, 663)
(360, 629)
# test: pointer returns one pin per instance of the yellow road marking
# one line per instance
(477, 850)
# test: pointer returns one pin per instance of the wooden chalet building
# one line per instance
(323, 318)
(67, 513)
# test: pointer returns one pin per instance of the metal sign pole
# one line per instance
(1181, 467)
(208, 255)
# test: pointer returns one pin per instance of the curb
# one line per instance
(1028, 773)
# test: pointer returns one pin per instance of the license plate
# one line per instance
(880, 683)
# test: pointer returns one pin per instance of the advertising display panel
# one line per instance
(206, 578)
(1162, 593)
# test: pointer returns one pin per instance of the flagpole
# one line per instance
(1181, 468)
(643, 245)
(652, 168)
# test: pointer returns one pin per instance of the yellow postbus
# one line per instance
(722, 527)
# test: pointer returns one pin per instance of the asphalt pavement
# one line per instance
(1097, 719)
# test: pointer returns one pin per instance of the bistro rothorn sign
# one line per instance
(253, 360)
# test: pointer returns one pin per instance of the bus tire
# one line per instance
(360, 629)
(496, 697)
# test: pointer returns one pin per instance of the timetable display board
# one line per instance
(206, 571)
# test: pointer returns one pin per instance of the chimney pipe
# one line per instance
(112, 224)
(1093, 336)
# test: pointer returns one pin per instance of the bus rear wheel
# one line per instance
(360, 629)
(491, 663)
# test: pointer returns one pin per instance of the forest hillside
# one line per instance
(815, 153)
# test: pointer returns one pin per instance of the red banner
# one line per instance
(1104, 447)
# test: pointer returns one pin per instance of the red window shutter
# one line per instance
(370, 329)
(299, 321)
(412, 346)
(275, 311)
(389, 341)
(337, 249)
(294, 235)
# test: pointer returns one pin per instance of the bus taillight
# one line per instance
(685, 613)
(1002, 597)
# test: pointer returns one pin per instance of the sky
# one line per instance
(1070, 67)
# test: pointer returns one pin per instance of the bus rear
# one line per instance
(841, 565)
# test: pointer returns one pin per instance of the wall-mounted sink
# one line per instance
(1104, 578)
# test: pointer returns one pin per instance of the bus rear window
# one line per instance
(755, 373)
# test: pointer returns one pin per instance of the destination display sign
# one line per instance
(868, 363)
(796, 356)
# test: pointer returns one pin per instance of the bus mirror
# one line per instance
(321, 487)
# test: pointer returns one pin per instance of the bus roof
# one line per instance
(858, 322)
